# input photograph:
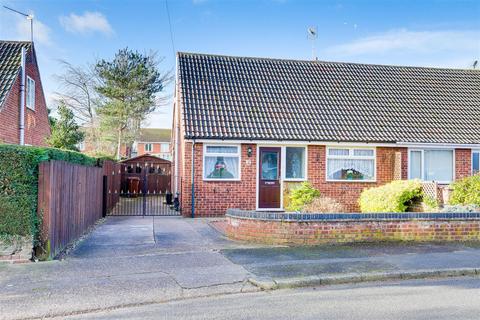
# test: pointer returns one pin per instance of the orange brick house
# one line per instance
(246, 129)
(153, 141)
(23, 113)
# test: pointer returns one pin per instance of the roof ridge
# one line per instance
(184, 53)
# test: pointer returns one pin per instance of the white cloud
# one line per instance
(403, 40)
(89, 22)
(41, 33)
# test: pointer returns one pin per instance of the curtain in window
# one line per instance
(438, 165)
(220, 167)
(295, 163)
(351, 169)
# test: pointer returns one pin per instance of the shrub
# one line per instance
(392, 197)
(466, 191)
(302, 195)
(19, 185)
(323, 205)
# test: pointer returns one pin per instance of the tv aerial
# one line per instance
(312, 36)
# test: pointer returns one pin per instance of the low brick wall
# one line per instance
(16, 250)
(313, 229)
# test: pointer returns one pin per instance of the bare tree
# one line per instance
(77, 89)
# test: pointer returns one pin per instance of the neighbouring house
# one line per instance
(23, 110)
(150, 141)
(153, 141)
(250, 128)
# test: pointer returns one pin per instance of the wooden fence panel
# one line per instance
(69, 202)
(113, 172)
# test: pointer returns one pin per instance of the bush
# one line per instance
(302, 195)
(323, 205)
(19, 185)
(466, 191)
(392, 197)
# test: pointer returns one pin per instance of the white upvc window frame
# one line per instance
(422, 150)
(353, 157)
(284, 163)
(30, 94)
(238, 154)
(475, 151)
(148, 147)
(164, 144)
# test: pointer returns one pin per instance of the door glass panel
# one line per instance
(269, 166)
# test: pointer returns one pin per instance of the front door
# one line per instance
(269, 187)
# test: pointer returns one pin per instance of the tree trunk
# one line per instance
(119, 144)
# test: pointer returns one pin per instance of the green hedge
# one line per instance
(19, 185)
(392, 197)
(466, 191)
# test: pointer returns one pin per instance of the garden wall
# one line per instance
(314, 229)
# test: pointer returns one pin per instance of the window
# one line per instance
(350, 164)
(475, 161)
(148, 147)
(30, 93)
(81, 146)
(164, 147)
(294, 163)
(431, 165)
(221, 162)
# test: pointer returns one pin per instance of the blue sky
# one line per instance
(437, 33)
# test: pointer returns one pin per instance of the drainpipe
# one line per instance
(22, 99)
(193, 179)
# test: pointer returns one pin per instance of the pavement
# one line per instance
(135, 261)
(454, 298)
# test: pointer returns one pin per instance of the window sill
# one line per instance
(30, 108)
(352, 181)
(294, 180)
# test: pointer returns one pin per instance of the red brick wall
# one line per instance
(37, 127)
(213, 198)
(313, 233)
(463, 163)
(347, 193)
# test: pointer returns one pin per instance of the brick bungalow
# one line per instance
(36, 127)
(246, 129)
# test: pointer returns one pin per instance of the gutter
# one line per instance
(22, 98)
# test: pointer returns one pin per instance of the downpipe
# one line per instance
(22, 98)
(193, 179)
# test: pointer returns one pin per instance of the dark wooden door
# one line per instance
(269, 188)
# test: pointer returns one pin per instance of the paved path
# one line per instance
(409, 300)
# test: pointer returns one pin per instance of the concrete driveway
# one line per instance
(125, 261)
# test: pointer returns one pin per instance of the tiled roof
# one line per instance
(271, 99)
(154, 135)
(10, 62)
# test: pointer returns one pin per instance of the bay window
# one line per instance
(295, 163)
(431, 165)
(350, 164)
(475, 161)
(221, 162)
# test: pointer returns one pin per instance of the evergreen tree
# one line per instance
(65, 131)
(129, 83)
